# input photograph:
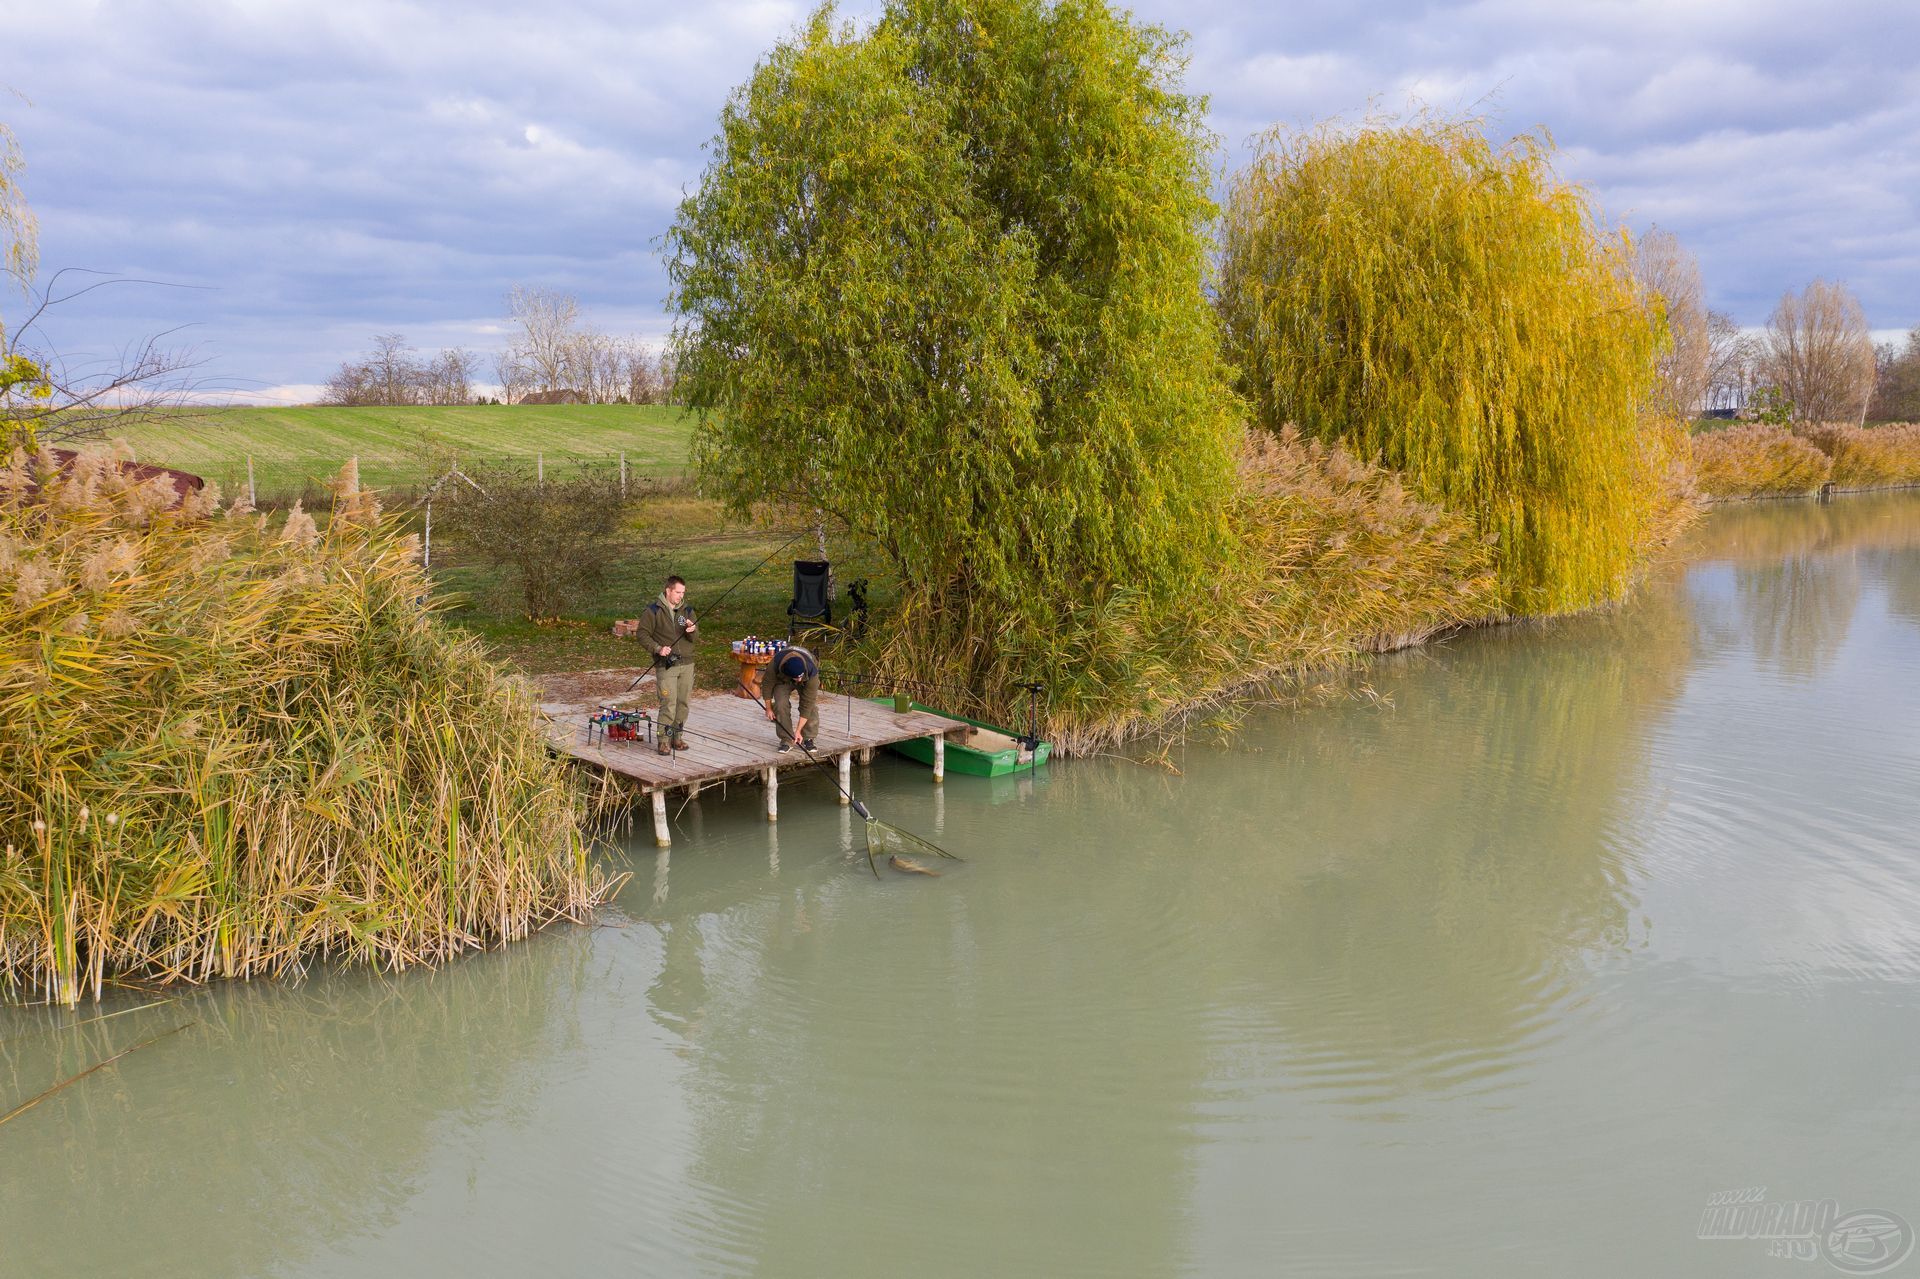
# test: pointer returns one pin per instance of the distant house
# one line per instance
(184, 482)
(561, 396)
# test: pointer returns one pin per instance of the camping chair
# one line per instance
(812, 595)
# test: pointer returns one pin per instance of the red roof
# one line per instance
(184, 482)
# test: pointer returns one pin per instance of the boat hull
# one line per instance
(969, 761)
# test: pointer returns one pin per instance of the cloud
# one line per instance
(327, 169)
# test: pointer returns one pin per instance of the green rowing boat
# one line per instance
(987, 752)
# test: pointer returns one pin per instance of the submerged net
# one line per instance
(885, 839)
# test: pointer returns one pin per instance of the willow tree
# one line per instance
(1452, 308)
(943, 280)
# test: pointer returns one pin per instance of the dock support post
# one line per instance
(846, 777)
(939, 758)
(773, 794)
(866, 756)
(660, 836)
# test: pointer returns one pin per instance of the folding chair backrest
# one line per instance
(811, 583)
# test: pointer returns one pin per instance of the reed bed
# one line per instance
(1333, 558)
(233, 746)
(1773, 461)
(1870, 456)
(1757, 461)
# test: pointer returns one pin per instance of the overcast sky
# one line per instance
(321, 170)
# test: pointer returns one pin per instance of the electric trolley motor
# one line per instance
(613, 724)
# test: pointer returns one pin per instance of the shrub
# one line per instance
(229, 746)
(557, 537)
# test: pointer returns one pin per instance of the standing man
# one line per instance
(794, 669)
(668, 630)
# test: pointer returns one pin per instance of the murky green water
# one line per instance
(1504, 978)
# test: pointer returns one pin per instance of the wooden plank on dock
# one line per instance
(727, 736)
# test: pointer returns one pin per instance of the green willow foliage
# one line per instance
(1454, 310)
(944, 281)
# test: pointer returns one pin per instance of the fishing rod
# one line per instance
(858, 807)
(707, 610)
(1033, 688)
(864, 680)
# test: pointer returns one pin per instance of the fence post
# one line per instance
(250, 498)
(623, 472)
(540, 468)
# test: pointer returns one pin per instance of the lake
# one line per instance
(1509, 956)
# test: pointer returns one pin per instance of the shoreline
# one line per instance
(1243, 692)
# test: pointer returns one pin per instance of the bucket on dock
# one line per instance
(902, 703)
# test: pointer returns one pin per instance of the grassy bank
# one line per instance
(1774, 461)
(295, 450)
(233, 745)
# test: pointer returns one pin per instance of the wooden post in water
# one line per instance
(939, 758)
(866, 756)
(661, 838)
(773, 793)
(846, 777)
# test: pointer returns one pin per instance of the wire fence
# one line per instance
(280, 480)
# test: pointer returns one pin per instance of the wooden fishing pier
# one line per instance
(728, 737)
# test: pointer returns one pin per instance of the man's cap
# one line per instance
(793, 665)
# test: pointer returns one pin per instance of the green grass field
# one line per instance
(739, 578)
(294, 450)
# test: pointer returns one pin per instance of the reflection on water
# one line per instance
(1503, 977)
(1796, 575)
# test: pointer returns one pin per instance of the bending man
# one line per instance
(795, 669)
(668, 630)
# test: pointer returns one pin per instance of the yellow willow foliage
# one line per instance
(229, 745)
(1451, 309)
